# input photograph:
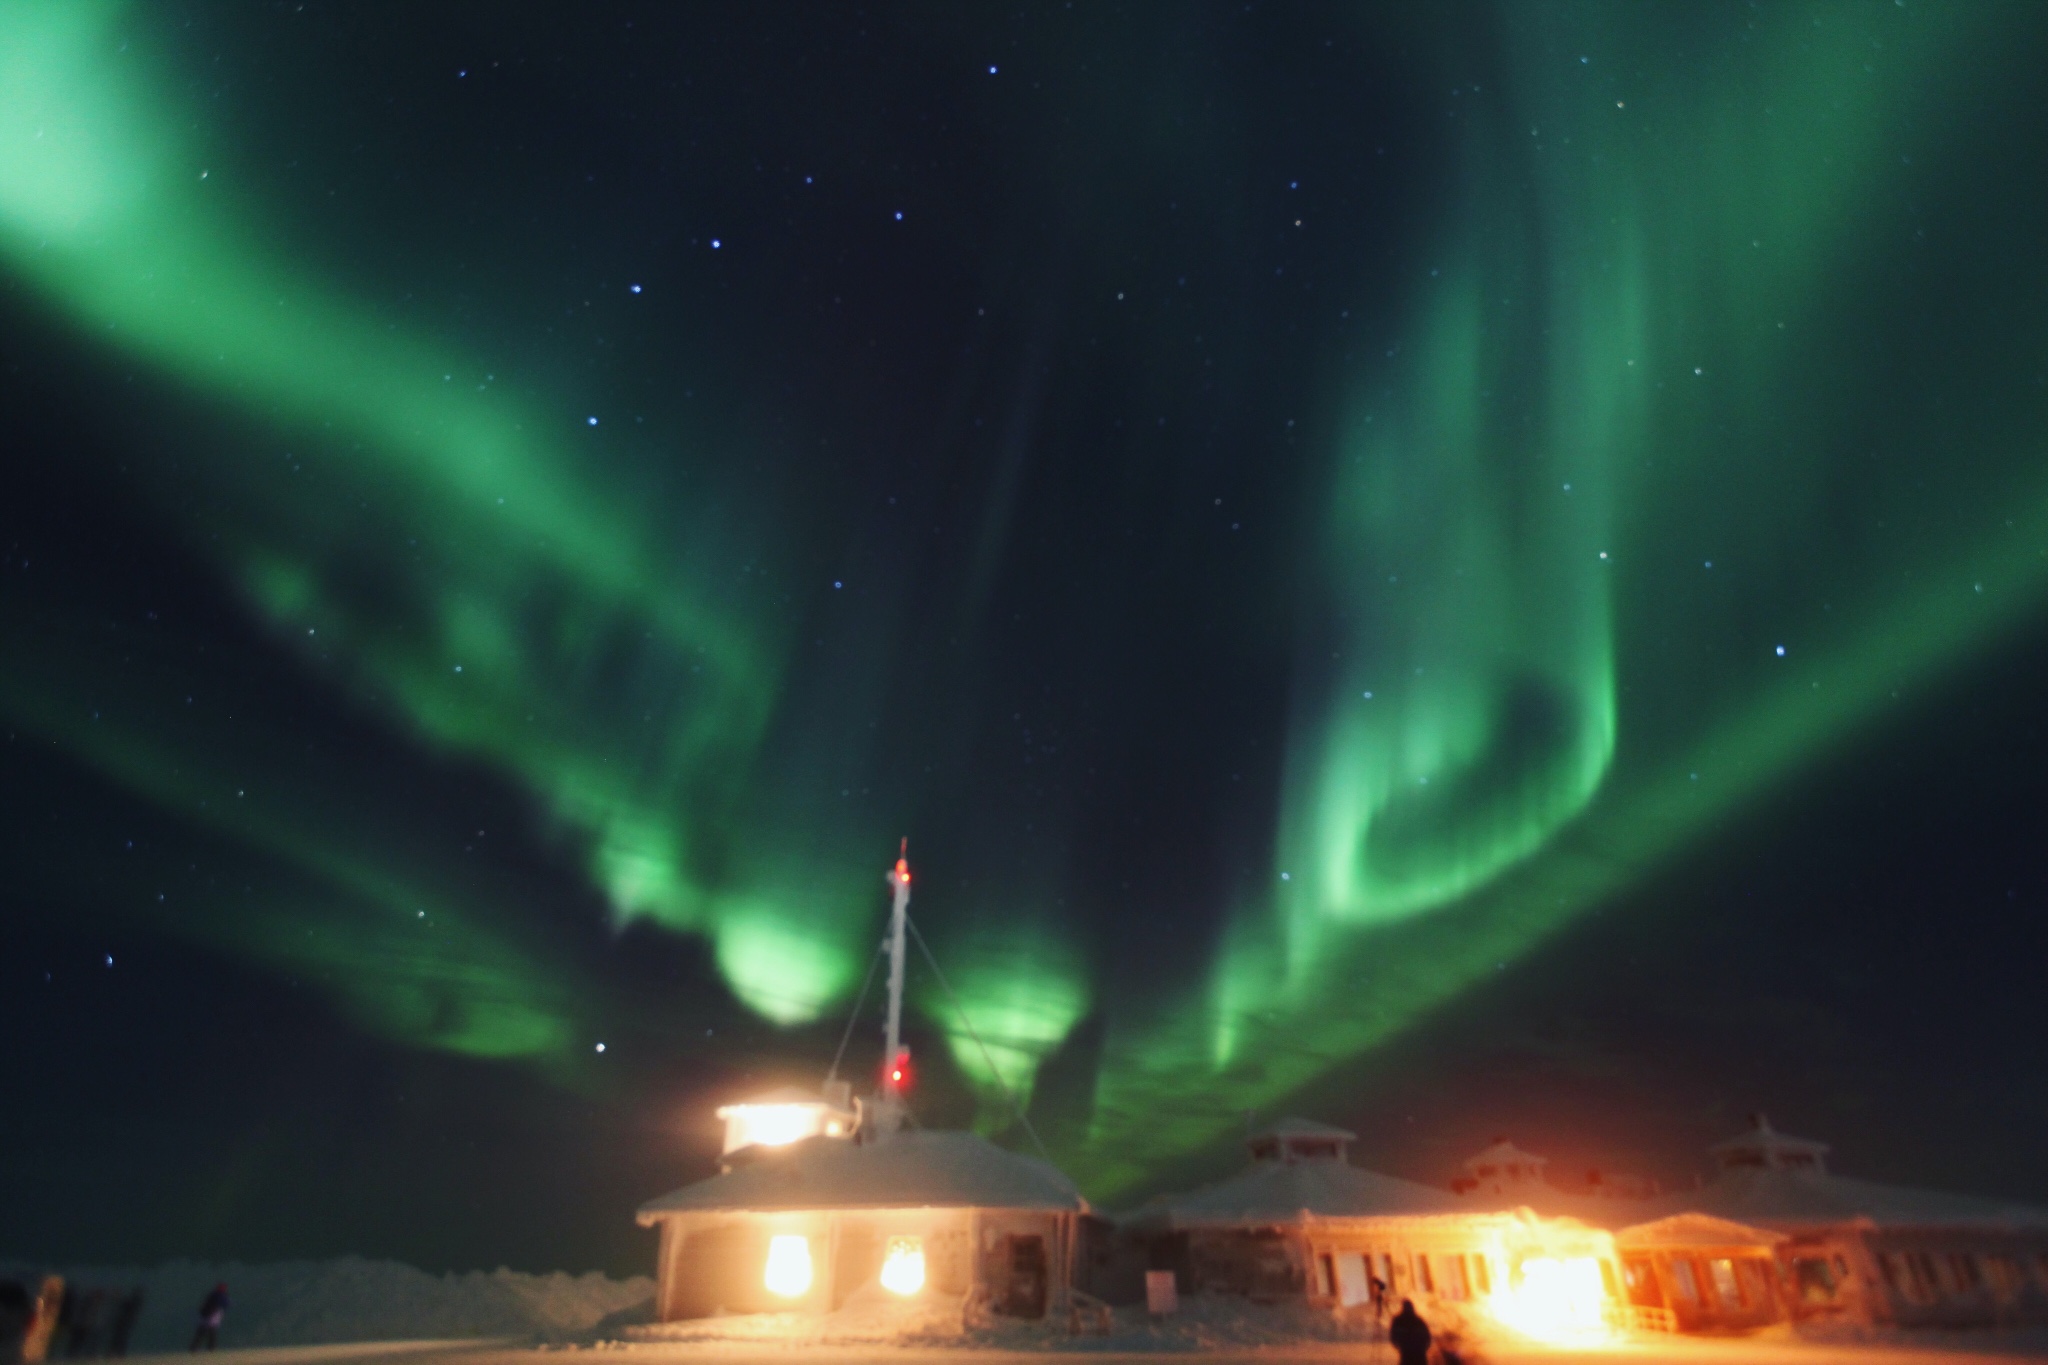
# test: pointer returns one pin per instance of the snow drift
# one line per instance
(294, 1303)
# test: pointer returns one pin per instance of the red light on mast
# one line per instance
(897, 1076)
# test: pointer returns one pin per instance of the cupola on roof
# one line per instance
(1766, 1148)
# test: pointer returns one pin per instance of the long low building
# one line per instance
(809, 1214)
(1301, 1222)
(1875, 1252)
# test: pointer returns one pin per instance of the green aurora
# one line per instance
(1598, 552)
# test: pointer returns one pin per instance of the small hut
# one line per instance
(1708, 1274)
(940, 1220)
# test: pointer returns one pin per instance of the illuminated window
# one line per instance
(1725, 1287)
(788, 1272)
(1902, 1276)
(903, 1266)
(1682, 1276)
(1926, 1283)
(1482, 1274)
(1423, 1279)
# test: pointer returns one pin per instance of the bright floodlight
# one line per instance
(1559, 1299)
(788, 1274)
(903, 1266)
(778, 1125)
(782, 1117)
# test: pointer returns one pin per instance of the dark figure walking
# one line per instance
(127, 1311)
(212, 1309)
(1410, 1335)
(84, 1307)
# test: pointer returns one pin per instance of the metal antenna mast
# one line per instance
(899, 914)
(889, 1111)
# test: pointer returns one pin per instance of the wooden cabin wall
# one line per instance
(1931, 1277)
(1023, 1261)
(1827, 1274)
(1741, 1295)
(1112, 1266)
(1259, 1263)
(714, 1265)
(862, 1240)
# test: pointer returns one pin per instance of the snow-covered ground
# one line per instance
(293, 1303)
(359, 1312)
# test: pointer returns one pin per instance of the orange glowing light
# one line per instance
(902, 869)
(903, 1266)
(788, 1272)
(1558, 1299)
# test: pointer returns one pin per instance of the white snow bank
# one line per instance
(1204, 1323)
(293, 1303)
(2028, 1342)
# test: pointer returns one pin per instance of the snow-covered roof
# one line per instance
(916, 1169)
(1303, 1128)
(1541, 1197)
(1764, 1145)
(1695, 1230)
(1274, 1194)
(1778, 1198)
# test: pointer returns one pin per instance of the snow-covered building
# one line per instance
(1678, 1274)
(940, 1221)
(1301, 1222)
(1693, 1273)
(1881, 1253)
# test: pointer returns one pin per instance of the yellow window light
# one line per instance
(903, 1266)
(788, 1273)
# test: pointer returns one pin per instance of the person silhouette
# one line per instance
(1409, 1335)
(212, 1310)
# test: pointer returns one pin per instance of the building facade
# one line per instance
(940, 1222)
(1878, 1253)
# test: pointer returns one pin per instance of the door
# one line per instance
(1025, 1295)
(1352, 1288)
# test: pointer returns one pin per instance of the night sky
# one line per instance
(1469, 572)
